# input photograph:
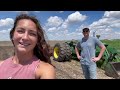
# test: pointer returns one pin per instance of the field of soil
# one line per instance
(64, 70)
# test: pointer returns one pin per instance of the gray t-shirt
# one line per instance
(88, 48)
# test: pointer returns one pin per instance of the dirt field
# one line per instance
(72, 70)
(64, 70)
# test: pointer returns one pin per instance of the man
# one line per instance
(87, 56)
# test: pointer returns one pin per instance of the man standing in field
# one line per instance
(87, 56)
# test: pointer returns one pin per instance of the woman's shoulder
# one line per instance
(6, 60)
(45, 65)
(45, 70)
(1, 61)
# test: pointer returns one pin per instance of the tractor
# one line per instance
(110, 61)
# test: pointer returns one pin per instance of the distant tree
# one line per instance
(98, 36)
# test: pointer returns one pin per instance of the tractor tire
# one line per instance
(68, 54)
(62, 52)
(59, 52)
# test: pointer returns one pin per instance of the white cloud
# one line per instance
(74, 35)
(73, 19)
(4, 35)
(101, 22)
(58, 28)
(79, 29)
(6, 22)
(76, 17)
(53, 29)
(112, 14)
(107, 25)
(115, 25)
(5, 31)
(54, 21)
(64, 25)
(61, 11)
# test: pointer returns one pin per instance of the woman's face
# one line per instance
(25, 36)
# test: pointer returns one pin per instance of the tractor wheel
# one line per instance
(68, 54)
(59, 52)
(62, 52)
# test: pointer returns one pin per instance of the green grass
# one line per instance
(113, 43)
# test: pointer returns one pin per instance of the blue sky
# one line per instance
(67, 25)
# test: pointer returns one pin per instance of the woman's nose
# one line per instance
(25, 36)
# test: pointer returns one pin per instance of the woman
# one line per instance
(31, 58)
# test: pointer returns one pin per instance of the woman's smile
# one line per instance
(24, 44)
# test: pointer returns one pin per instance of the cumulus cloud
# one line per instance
(4, 35)
(64, 25)
(107, 25)
(112, 14)
(76, 17)
(61, 11)
(61, 28)
(6, 22)
(73, 19)
(5, 31)
(53, 29)
(54, 21)
(79, 29)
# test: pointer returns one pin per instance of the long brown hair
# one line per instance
(41, 49)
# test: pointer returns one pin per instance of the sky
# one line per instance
(67, 25)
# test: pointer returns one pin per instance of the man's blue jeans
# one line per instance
(89, 71)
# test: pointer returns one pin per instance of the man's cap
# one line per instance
(86, 29)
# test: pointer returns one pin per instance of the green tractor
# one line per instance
(110, 55)
(110, 61)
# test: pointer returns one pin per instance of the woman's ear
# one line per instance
(12, 39)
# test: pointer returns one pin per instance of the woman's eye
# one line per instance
(20, 31)
(33, 34)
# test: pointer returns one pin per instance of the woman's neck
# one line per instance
(22, 58)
